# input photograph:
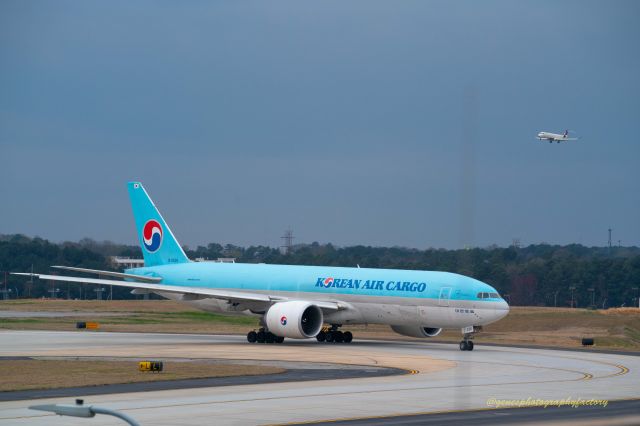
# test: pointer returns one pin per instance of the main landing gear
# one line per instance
(468, 333)
(263, 336)
(333, 335)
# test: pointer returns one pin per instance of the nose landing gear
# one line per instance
(334, 335)
(467, 335)
(466, 345)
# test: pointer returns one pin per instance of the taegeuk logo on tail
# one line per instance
(152, 235)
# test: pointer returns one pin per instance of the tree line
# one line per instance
(536, 275)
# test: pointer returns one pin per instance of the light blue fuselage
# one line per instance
(383, 296)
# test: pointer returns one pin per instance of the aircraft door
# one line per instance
(445, 295)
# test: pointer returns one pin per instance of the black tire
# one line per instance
(463, 346)
(269, 337)
(321, 336)
(252, 336)
(469, 345)
(329, 337)
(279, 339)
(338, 336)
(260, 337)
(348, 337)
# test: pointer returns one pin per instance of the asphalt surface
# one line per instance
(445, 379)
(616, 409)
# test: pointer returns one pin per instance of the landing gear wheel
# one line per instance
(466, 345)
(348, 337)
(329, 337)
(260, 337)
(321, 336)
(338, 336)
(279, 339)
(269, 337)
(252, 336)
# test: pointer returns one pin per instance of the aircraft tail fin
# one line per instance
(159, 246)
(566, 133)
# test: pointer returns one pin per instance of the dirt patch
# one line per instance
(48, 374)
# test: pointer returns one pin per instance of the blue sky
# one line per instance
(366, 122)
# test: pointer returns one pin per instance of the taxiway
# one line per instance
(443, 379)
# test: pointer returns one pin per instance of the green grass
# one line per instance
(132, 320)
(22, 321)
(186, 316)
(616, 342)
(209, 317)
(632, 333)
(18, 302)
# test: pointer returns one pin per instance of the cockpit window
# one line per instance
(485, 295)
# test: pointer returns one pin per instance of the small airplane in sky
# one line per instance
(555, 137)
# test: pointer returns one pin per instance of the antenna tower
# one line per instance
(288, 241)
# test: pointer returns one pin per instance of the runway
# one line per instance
(445, 379)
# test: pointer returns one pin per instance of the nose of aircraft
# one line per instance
(502, 309)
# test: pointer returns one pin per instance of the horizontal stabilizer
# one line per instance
(147, 278)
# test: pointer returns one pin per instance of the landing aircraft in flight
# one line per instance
(555, 137)
(297, 301)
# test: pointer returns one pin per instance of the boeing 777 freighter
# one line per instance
(297, 301)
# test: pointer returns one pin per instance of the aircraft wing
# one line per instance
(202, 292)
(146, 278)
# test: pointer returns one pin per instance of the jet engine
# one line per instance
(416, 331)
(295, 319)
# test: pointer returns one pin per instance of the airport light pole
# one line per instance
(637, 289)
(81, 410)
(572, 288)
(593, 296)
(99, 291)
(5, 292)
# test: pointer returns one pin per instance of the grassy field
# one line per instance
(48, 374)
(563, 327)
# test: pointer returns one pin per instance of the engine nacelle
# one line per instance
(416, 331)
(296, 319)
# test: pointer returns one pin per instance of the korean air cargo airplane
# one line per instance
(297, 301)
